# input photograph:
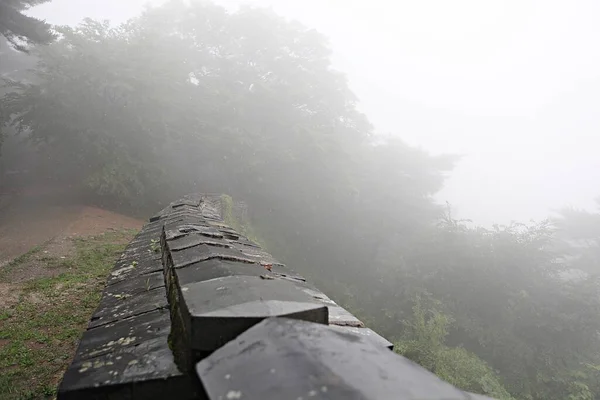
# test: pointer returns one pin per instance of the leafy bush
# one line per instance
(424, 344)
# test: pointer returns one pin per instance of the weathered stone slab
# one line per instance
(209, 206)
(286, 359)
(212, 269)
(124, 333)
(337, 315)
(190, 240)
(216, 268)
(218, 310)
(367, 333)
(131, 267)
(257, 254)
(112, 309)
(138, 284)
(122, 372)
(243, 241)
(178, 229)
(205, 252)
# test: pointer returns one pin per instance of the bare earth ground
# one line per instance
(30, 218)
(54, 258)
(49, 231)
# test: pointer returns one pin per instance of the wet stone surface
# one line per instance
(113, 308)
(124, 333)
(136, 265)
(119, 371)
(204, 252)
(286, 359)
(212, 269)
(220, 309)
(368, 334)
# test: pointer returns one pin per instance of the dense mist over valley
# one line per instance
(431, 167)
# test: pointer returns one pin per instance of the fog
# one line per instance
(513, 86)
(431, 166)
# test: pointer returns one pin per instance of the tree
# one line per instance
(505, 289)
(579, 234)
(423, 342)
(21, 30)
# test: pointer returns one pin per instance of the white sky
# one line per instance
(512, 85)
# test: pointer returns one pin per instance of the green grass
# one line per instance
(38, 336)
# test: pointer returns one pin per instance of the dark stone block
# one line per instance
(337, 315)
(124, 333)
(216, 268)
(208, 206)
(191, 240)
(135, 285)
(286, 359)
(243, 241)
(204, 252)
(186, 202)
(114, 375)
(256, 254)
(179, 229)
(212, 269)
(216, 311)
(131, 267)
(340, 316)
(113, 308)
(367, 333)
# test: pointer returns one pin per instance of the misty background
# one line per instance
(512, 86)
(380, 150)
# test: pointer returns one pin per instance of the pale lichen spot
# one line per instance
(126, 341)
(312, 393)
(234, 394)
(227, 376)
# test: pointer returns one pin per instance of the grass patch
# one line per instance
(38, 336)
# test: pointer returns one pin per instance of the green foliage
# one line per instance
(20, 29)
(512, 306)
(238, 222)
(579, 238)
(424, 344)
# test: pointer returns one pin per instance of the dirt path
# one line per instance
(30, 219)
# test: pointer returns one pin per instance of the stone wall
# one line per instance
(194, 310)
